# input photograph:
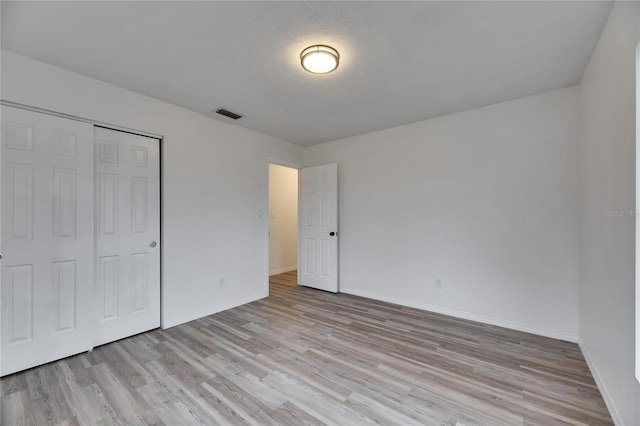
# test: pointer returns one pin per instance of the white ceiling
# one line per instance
(401, 62)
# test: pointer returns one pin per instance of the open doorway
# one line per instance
(283, 226)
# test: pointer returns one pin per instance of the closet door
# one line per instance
(47, 280)
(128, 229)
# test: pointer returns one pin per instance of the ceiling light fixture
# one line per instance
(319, 59)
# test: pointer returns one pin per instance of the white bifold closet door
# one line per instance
(80, 243)
(128, 234)
(47, 299)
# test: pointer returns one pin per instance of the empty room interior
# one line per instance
(338, 213)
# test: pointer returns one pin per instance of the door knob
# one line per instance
(152, 244)
(332, 233)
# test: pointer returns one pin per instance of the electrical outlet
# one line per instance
(437, 283)
(222, 282)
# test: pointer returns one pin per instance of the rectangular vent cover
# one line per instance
(228, 113)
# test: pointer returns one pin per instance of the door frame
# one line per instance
(267, 216)
(637, 215)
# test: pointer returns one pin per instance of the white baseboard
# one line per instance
(604, 390)
(541, 331)
(172, 322)
(283, 270)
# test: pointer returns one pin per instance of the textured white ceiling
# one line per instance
(401, 62)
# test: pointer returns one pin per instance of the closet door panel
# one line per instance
(128, 244)
(47, 295)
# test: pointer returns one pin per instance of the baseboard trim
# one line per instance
(213, 310)
(283, 270)
(604, 390)
(540, 331)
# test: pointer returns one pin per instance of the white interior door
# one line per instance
(128, 234)
(318, 219)
(47, 296)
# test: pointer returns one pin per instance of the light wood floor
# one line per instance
(303, 356)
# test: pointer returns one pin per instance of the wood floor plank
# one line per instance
(303, 356)
(93, 408)
(290, 415)
(126, 402)
(249, 408)
(12, 411)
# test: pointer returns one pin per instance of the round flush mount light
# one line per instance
(319, 59)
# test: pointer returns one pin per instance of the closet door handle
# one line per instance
(152, 244)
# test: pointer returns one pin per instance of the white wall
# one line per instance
(283, 219)
(607, 186)
(485, 200)
(215, 183)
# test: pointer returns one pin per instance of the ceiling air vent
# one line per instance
(228, 113)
